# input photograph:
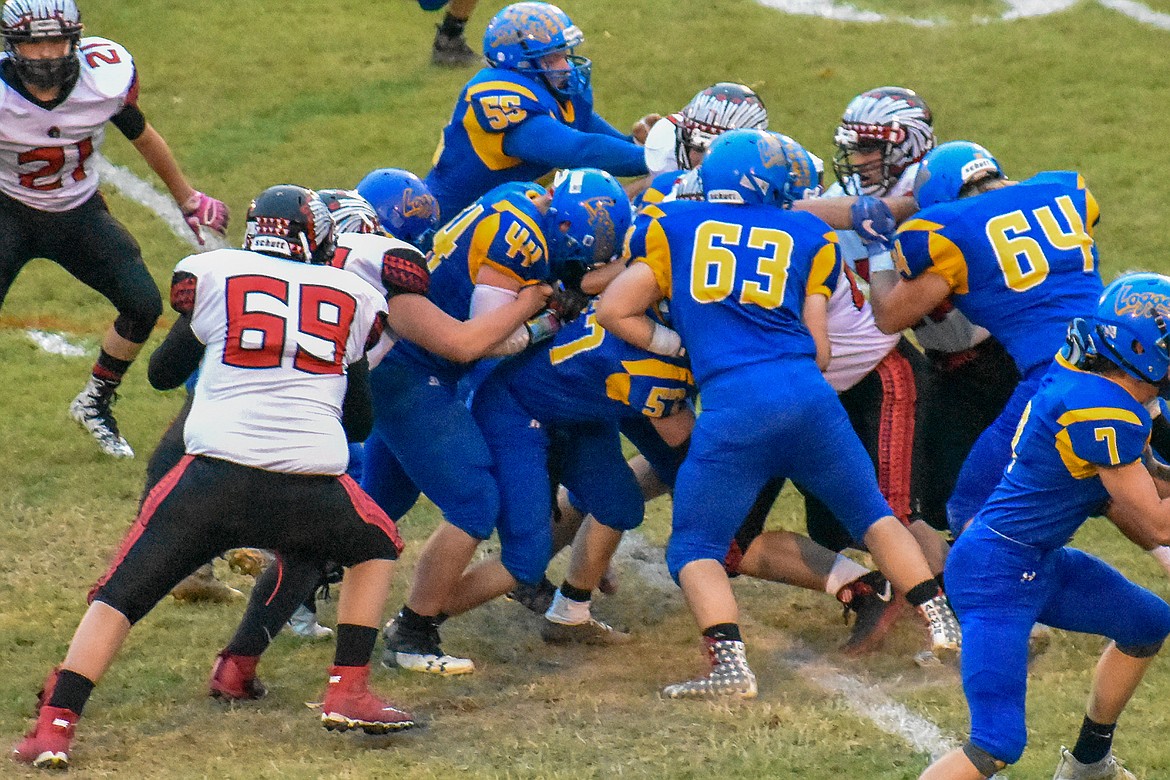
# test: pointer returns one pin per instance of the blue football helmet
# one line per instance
(586, 222)
(756, 167)
(1131, 325)
(405, 207)
(802, 186)
(350, 212)
(522, 33)
(949, 167)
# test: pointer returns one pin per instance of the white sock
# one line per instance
(844, 571)
(566, 611)
(1162, 556)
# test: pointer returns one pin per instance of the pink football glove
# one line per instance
(204, 211)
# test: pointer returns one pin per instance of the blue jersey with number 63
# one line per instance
(1020, 260)
(737, 277)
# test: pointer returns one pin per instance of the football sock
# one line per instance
(279, 590)
(844, 571)
(452, 26)
(71, 691)
(923, 592)
(355, 645)
(576, 594)
(723, 632)
(1094, 742)
(110, 369)
(412, 622)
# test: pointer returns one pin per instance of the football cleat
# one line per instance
(730, 674)
(46, 746)
(420, 652)
(349, 704)
(536, 598)
(452, 51)
(1108, 768)
(304, 623)
(203, 586)
(946, 640)
(876, 608)
(590, 632)
(91, 410)
(233, 678)
(248, 560)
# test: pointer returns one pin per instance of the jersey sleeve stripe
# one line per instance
(823, 264)
(1097, 413)
(1078, 467)
(489, 147)
(658, 256)
(501, 86)
(659, 369)
(948, 262)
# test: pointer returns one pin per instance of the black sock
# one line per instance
(412, 622)
(71, 691)
(941, 583)
(110, 369)
(452, 26)
(440, 619)
(355, 645)
(575, 594)
(1094, 742)
(276, 595)
(722, 632)
(922, 592)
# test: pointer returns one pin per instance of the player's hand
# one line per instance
(202, 211)
(534, 297)
(874, 224)
(567, 303)
(642, 127)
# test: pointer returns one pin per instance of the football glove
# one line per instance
(567, 303)
(201, 211)
(874, 224)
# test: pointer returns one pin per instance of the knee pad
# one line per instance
(132, 612)
(136, 327)
(986, 763)
(1141, 651)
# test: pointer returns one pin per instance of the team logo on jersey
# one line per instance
(1141, 304)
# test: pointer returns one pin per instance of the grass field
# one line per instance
(251, 94)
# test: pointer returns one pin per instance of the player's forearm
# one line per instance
(153, 148)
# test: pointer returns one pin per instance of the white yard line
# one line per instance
(56, 343)
(864, 699)
(1016, 9)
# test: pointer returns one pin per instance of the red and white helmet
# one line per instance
(893, 121)
(717, 109)
(25, 21)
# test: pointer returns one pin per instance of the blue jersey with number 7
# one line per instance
(1020, 260)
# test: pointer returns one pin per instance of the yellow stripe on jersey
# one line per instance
(653, 211)
(651, 196)
(1078, 467)
(1094, 413)
(503, 86)
(481, 241)
(823, 264)
(658, 256)
(488, 147)
(658, 369)
(1092, 212)
(948, 262)
(914, 224)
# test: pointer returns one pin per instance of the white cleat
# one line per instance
(91, 410)
(730, 675)
(1107, 768)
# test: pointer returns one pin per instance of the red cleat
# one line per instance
(233, 678)
(349, 704)
(47, 745)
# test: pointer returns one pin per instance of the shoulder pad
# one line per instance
(107, 66)
(404, 270)
(1066, 178)
(504, 102)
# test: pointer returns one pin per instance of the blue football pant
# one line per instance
(778, 420)
(999, 589)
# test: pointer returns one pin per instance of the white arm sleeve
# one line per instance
(486, 297)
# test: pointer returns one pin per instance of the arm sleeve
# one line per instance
(357, 408)
(176, 358)
(599, 126)
(544, 140)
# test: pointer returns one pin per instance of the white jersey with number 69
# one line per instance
(278, 335)
(44, 153)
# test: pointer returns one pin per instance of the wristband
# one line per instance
(664, 341)
(882, 261)
(543, 326)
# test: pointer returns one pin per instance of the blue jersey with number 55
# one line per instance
(1020, 260)
(737, 277)
(587, 375)
(502, 230)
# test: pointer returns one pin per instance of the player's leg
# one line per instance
(839, 472)
(97, 250)
(169, 538)
(597, 473)
(450, 47)
(997, 607)
(18, 231)
(382, 476)
(1096, 598)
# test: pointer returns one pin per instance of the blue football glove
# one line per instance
(874, 224)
